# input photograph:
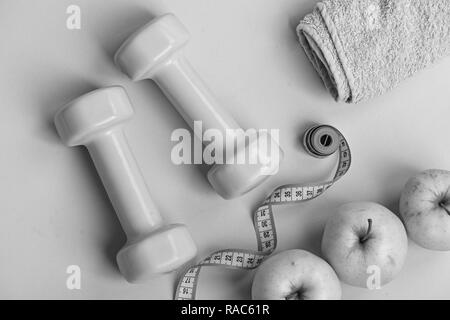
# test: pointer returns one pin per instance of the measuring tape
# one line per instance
(319, 141)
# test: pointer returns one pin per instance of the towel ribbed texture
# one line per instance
(363, 48)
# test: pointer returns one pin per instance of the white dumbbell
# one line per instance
(154, 52)
(95, 120)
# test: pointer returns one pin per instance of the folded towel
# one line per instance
(363, 48)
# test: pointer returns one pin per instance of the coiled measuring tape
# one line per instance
(319, 141)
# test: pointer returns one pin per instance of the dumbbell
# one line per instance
(95, 120)
(154, 52)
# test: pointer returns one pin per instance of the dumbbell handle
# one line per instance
(190, 96)
(124, 183)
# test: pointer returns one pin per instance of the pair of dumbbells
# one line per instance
(95, 120)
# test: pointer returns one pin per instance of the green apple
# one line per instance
(425, 209)
(295, 275)
(362, 237)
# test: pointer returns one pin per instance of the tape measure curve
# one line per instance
(320, 141)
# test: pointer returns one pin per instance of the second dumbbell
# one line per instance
(154, 52)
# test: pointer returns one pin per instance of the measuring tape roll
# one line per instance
(319, 141)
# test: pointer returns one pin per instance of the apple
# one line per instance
(425, 209)
(361, 237)
(295, 275)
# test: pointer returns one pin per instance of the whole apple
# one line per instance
(425, 209)
(362, 237)
(295, 275)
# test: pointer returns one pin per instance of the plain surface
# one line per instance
(55, 212)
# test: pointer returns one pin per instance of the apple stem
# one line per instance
(293, 296)
(369, 229)
(443, 205)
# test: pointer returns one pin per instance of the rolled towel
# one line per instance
(363, 48)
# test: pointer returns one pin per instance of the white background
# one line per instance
(54, 211)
